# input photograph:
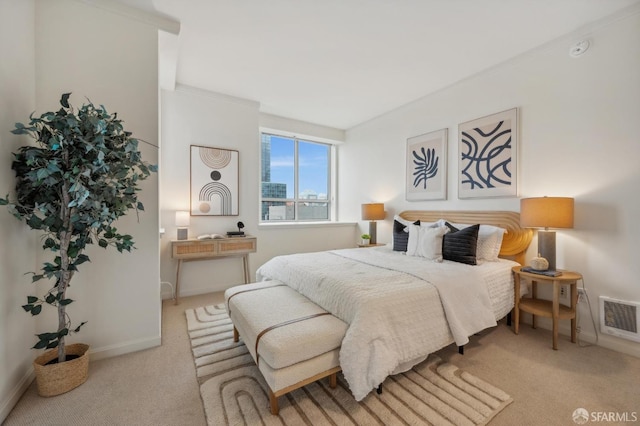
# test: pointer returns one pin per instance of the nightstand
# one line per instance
(547, 308)
(370, 245)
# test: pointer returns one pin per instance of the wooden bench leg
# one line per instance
(273, 400)
(333, 380)
(236, 335)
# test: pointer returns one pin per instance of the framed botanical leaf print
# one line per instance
(426, 176)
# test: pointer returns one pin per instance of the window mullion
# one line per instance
(295, 179)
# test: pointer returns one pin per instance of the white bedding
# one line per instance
(393, 305)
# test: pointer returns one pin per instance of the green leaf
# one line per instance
(47, 336)
(64, 101)
(50, 298)
(36, 309)
(103, 243)
(27, 308)
(65, 302)
(42, 344)
(34, 222)
(77, 329)
(32, 299)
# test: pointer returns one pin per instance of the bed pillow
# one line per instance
(489, 240)
(426, 241)
(401, 234)
(460, 245)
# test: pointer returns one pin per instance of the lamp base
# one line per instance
(547, 247)
(372, 231)
(183, 233)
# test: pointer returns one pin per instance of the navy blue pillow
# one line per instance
(401, 238)
(459, 245)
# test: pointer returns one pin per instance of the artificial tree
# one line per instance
(82, 174)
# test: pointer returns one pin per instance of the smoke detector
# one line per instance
(579, 48)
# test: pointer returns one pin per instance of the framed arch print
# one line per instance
(488, 156)
(214, 181)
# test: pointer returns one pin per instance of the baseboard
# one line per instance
(197, 291)
(123, 348)
(14, 396)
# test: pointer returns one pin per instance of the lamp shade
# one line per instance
(373, 211)
(546, 212)
(182, 219)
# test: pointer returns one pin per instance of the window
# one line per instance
(296, 179)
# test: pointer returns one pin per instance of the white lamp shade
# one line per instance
(182, 219)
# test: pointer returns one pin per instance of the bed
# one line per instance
(400, 306)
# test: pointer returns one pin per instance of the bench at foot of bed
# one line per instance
(293, 341)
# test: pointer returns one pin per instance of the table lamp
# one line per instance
(547, 212)
(372, 212)
(182, 223)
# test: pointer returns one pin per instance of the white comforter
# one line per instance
(395, 306)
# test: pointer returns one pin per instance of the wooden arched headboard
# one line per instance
(515, 241)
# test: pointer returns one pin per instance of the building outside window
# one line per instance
(296, 179)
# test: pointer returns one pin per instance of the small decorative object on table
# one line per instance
(238, 233)
(539, 263)
(365, 239)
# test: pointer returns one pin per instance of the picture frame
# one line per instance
(214, 181)
(426, 166)
(488, 156)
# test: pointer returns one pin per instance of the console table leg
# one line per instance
(177, 282)
(245, 264)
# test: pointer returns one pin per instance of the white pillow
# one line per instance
(426, 242)
(489, 240)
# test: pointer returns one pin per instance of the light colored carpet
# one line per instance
(234, 392)
(158, 386)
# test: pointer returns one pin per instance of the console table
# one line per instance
(215, 248)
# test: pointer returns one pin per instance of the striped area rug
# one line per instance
(234, 392)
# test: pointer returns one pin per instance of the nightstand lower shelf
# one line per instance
(544, 308)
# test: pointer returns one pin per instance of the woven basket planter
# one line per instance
(56, 379)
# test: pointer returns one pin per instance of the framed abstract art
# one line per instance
(214, 181)
(426, 167)
(488, 156)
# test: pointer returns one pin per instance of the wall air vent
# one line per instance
(620, 318)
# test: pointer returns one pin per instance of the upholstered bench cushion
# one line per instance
(256, 307)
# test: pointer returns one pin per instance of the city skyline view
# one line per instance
(312, 165)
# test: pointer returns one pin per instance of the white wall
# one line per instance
(18, 243)
(196, 117)
(112, 61)
(578, 138)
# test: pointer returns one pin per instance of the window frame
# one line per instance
(296, 200)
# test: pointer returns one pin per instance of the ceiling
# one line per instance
(342, 62)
